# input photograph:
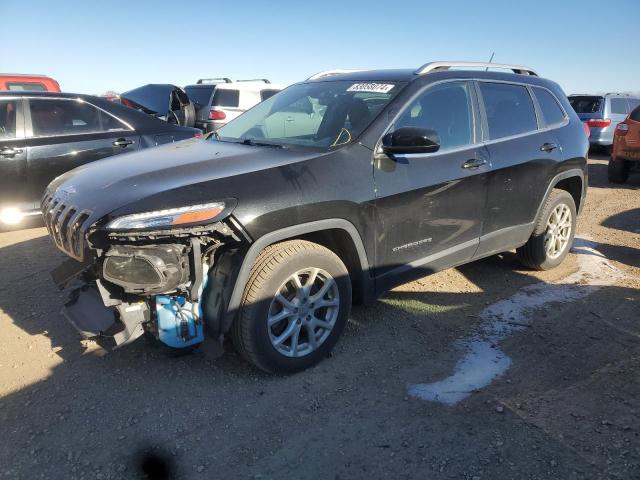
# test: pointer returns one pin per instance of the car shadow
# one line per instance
(628, 220)
(598, 177)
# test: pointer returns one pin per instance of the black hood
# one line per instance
(171, 175)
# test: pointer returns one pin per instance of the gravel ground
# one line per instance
(566, 408)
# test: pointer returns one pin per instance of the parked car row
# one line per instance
(625, 156)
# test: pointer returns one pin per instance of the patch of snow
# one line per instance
(483, 360)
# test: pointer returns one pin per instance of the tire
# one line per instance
(535, 254)
(267, 346)
(618, 171)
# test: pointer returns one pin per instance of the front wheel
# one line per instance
(553, 234)
(295, 306)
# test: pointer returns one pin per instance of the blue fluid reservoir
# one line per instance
(178, 327)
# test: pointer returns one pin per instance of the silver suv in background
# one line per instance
(603, 113)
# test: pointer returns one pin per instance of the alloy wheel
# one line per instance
(558, 231)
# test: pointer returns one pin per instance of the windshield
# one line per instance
(318, 115)
(200, 95)
(586, 104)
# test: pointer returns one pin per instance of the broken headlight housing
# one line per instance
(147, 269)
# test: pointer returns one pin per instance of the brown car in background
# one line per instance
(625, 156)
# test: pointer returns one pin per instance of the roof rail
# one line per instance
(437, 66)
(24, 75)
(618, 93)
(214, 80)
(255, 80)
(328, 73)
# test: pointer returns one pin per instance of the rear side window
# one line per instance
(264, 94)
(635, 115)
(69, 117)
(26, 86)
(619, 106)
(445, 108)
(226, 98)
(8, 110)
(551, 110)
(586, 104)
(509, 109)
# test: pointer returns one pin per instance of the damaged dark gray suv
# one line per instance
(331, 192)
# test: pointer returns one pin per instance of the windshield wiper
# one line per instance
(254, 143)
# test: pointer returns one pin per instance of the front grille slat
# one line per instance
(66, 225)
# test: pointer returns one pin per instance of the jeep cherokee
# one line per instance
(269, 231)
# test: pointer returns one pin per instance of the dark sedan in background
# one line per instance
(44, 134)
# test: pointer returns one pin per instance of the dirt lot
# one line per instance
(566, 407)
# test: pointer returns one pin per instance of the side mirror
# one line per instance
(411, 140)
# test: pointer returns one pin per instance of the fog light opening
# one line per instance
(11, 216)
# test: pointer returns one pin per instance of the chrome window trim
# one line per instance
(128, 128)
(474, 107)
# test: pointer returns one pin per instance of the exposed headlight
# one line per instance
(147, 268)
(168, 218)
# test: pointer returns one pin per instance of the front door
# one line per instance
(63, 134)
(430, 206)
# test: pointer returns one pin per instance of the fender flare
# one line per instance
(227, 315)
(574, 172)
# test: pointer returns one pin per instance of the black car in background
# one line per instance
(44, 134)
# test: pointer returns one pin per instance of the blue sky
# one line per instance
(91, 47)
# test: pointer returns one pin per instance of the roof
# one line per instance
(27, 93)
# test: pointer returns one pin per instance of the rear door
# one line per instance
(63, 134)
(523, 155)
(13, 153)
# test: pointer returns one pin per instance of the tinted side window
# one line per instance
(8, 118)
(69, 117)
(619, 105)
(264, 94)
(551, 110)
(226, 98)
(509, 109)
(445, 108)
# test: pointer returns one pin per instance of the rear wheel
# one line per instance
(618, 171)
(295, 306)
(553, 234)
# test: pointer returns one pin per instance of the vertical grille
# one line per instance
(66, 225)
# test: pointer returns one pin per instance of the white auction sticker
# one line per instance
(371, 87)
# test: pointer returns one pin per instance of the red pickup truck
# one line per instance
(19, 81)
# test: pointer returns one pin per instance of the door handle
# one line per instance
(548, 147)
(122, 142)
(289, 119)
(10, 151)
(474, 163)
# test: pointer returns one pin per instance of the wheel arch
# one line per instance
(339, 235)
(573, 181)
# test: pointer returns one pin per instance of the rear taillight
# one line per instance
(197, 135)
(217, 115)
(599, 122)
(622, 129)
(587, 130)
